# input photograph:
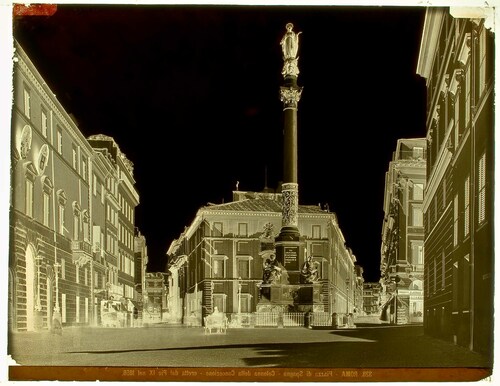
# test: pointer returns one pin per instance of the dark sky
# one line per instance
(191, 95)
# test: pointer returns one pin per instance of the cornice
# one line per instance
(428, 44)
(56, 107)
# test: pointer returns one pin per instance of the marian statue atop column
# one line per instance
(290, 46)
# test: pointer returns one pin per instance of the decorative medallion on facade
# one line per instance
(290, 192)
(25, 145)
(43, 159)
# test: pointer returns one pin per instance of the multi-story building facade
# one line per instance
(358, 290)
(119, 202)
(457, 61)
(154, 298)
(218, 261)
(371, 298)
(402, 250)
(58, 223)
(141, 264)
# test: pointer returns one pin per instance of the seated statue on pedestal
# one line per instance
(309, 272)
(272, 271)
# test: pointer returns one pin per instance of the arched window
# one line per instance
(47, 189)
(30, 173)
(61, 200)
(76, 220)
(86, 228)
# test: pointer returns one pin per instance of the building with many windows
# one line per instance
(141, 264)
(64, 223)
(218, 261)
(154, 298)
(402, 250)
(371, 298)
(457, 61)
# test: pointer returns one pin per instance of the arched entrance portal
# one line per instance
(30, 288)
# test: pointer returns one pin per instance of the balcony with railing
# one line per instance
(81, 251)
(415, 154)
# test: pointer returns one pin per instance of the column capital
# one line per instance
(290, 96)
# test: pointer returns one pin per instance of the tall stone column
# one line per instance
(288, 250)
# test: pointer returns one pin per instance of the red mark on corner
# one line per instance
(34, 9)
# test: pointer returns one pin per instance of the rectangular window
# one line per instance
(242, 229)
(455, 286)
(455, 220)
(482, 62)
(217, 229)
(44, 122)
(63, 269)
(94, 182)
(61, 219)
(218, 268)
(481, 186)
(418, 152)
(76, 226)
(317, 249)
(59, 141)
(86, 310)
(46, 209)
(316, 231)
(75, 157)
(418, 192)
(243, 247)
(84, 169)
(417, 253)
(27, 103)
(243, 268)
(96, 279)
(217, 247)
(102, 193)
(220, 302)
(466, 205)
(77, 274)
(245, 303)
(86, 277)
(63, 307)
(417, 217)
(29, 198)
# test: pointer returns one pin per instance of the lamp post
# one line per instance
(38, 304)
(56, 317)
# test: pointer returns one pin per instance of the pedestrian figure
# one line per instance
(56, 325)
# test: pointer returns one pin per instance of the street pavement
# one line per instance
(168, 346)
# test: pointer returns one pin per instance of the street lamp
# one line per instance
(56, 317)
